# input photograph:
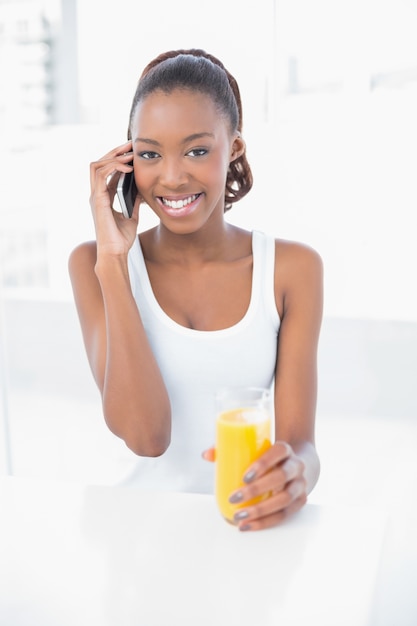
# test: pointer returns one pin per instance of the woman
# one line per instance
(195, 303)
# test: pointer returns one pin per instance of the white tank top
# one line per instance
(195, 363)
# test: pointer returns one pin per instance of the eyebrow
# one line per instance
(192, 137)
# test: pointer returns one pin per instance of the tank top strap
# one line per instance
(263, 248)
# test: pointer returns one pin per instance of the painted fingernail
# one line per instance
(249, 476)
(236, 497)
(244, 527)
(241, 515)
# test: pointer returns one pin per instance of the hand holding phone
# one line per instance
(127, 193)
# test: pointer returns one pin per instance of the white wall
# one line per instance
(334, 163)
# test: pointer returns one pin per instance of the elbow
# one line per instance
(151, 447)
(150, 441)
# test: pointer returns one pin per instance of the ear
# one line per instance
(238, 147)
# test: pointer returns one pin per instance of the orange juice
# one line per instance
(242, 435)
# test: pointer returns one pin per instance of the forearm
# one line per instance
(135, 401)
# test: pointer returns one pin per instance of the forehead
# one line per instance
(181, 109)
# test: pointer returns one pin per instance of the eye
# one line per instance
(196, 152)
(148, 154)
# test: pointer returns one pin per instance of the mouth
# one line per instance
(179, 206)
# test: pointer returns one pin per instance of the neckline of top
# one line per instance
(167, 320)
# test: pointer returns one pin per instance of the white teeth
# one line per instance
(179, 204)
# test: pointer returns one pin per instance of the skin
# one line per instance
(182, 147)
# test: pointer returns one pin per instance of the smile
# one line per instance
(179, 204)
(180, 207)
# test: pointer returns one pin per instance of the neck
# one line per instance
(207, 244)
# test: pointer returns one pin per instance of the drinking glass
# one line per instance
(243, 434)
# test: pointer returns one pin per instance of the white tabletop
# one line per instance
(112, 556)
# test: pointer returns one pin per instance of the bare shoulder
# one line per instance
(293, 252)
(298, 273)
(296, 259)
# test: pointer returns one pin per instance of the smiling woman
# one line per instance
(194, 303)
(331, 142)
(188, 170)
(200, 74)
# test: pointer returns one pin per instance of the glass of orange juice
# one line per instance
(243, 433)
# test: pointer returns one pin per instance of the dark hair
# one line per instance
(197, 70)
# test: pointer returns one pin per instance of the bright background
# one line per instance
(329, 92)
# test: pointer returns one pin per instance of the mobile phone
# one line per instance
(127, 192)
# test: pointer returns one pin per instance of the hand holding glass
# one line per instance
(243, 434)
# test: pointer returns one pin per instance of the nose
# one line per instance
(172, 173)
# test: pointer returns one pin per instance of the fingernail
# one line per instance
(241, 515)
(236, 497)
(249, 476)
(244, 527)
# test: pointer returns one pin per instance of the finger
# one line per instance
(119, 151)
(101, 173)
(112, 184)
(279, 451)
(97, 167)
(274, 518)
(209, 455)
(273, 503)
(272, 482)
(121, 154)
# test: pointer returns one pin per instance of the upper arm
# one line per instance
(299, 296)
(90, 307)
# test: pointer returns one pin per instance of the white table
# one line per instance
(110, 556)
